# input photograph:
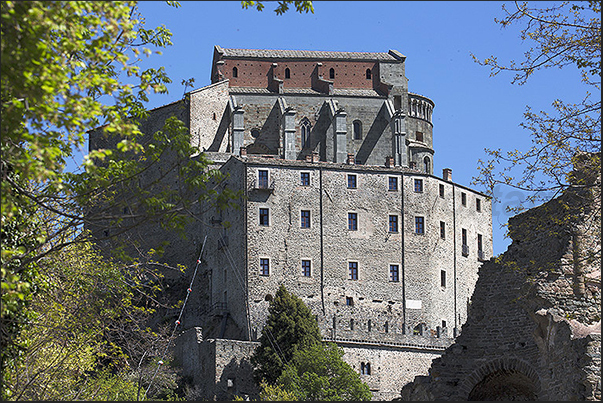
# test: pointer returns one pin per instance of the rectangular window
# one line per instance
(393, 223)
(441, 190)
(349, 301)
(305, 178)
(478, 205)
(443, 278)
(353, 221)
(393, 183)
(419, 225)
(264, 217)
(479, 242)
(353, 270)
(464, 236)
(442, 230)
(419, 185)
(419, 136)
(394, 273)
(265, 267)
(352, 181)
(263, 179)
(306, 268)
(463, 198)
(305, 218)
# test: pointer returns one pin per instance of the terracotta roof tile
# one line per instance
(307, 54)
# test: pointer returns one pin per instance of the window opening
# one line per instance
(393, 223)
(351, 324)
(352, 182)
(478, 205)
(264, 217)
(441, 190)
(463, 198)
(443, 278)
(349, 301)
(419, 185)
(427, 164)
(305, 178)
(357, 130)
(442, 230)
(353, 268)
(368, 74)
(235, 72)
(419, 136)
(305, 132)
(255, 133)
(353, 221)
(419, 225)
(263, 179)
(306, 268)
(394, 273)
(305, 218)
(332, 73)
(287, 73)
(264, 267)
(393, 183)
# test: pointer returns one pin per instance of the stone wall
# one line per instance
(534, 325)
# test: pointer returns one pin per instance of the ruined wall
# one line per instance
(533, 331)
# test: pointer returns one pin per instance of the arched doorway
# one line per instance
(504, 384)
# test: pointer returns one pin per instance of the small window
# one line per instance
(357, 130)
(265, 267)
(386, 326)
(263, 179)
(305, 178)
(255, 133)
(369, 74)
(463, 198)
(479, 243)
(287, 73)
(394, 273)
(419, 136)
(353, 270)
(214, 116)
(441, 190)
(397, 102)
(305, 218)
(306, 268)
(331, 73)
(419, 225)
(419, 185)
(393, 223)
(393, 183)
(235, 72)
(369, 325)
(478, 205)
(349, 301)
(264, 217)
(443, 324)
(442, 230)
(464, 236)
(427, 165)
(443, 278)
(353, 221)
(352, 182)
(365, 369)
(351, 324)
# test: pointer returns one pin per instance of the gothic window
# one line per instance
(235, 72)
(332, 73)
(305, 132)
(427, 164)
(357, 130)
(368, 74)
(287, 73)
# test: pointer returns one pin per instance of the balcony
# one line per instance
(262, 186)
(465, 250)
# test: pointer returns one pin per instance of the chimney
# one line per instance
(389, 162)
(351, 159)
(447, 174)
(412, 165)
(309, 158)
(315, 157)
(243, 152)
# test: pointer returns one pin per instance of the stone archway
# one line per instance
(503, 379)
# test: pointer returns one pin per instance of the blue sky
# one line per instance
(473, 110)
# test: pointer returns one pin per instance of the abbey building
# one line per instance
(334, 156)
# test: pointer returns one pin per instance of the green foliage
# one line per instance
(283, 6)
(319, 373)
(86, 333)
(562, 35)
(290, 327)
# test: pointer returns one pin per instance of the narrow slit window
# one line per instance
(331, 73)
(369, 74)
(287, 73)
(235, 72)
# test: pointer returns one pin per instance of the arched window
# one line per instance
(235, 72)
(305, 132)
(365, 369)
(332, 73)
(357, 130)
(427, 164)
(287, 73)
(368, 74)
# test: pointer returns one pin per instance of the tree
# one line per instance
(565, 34)
(320, 373)
(290, 327)
(283, 6)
